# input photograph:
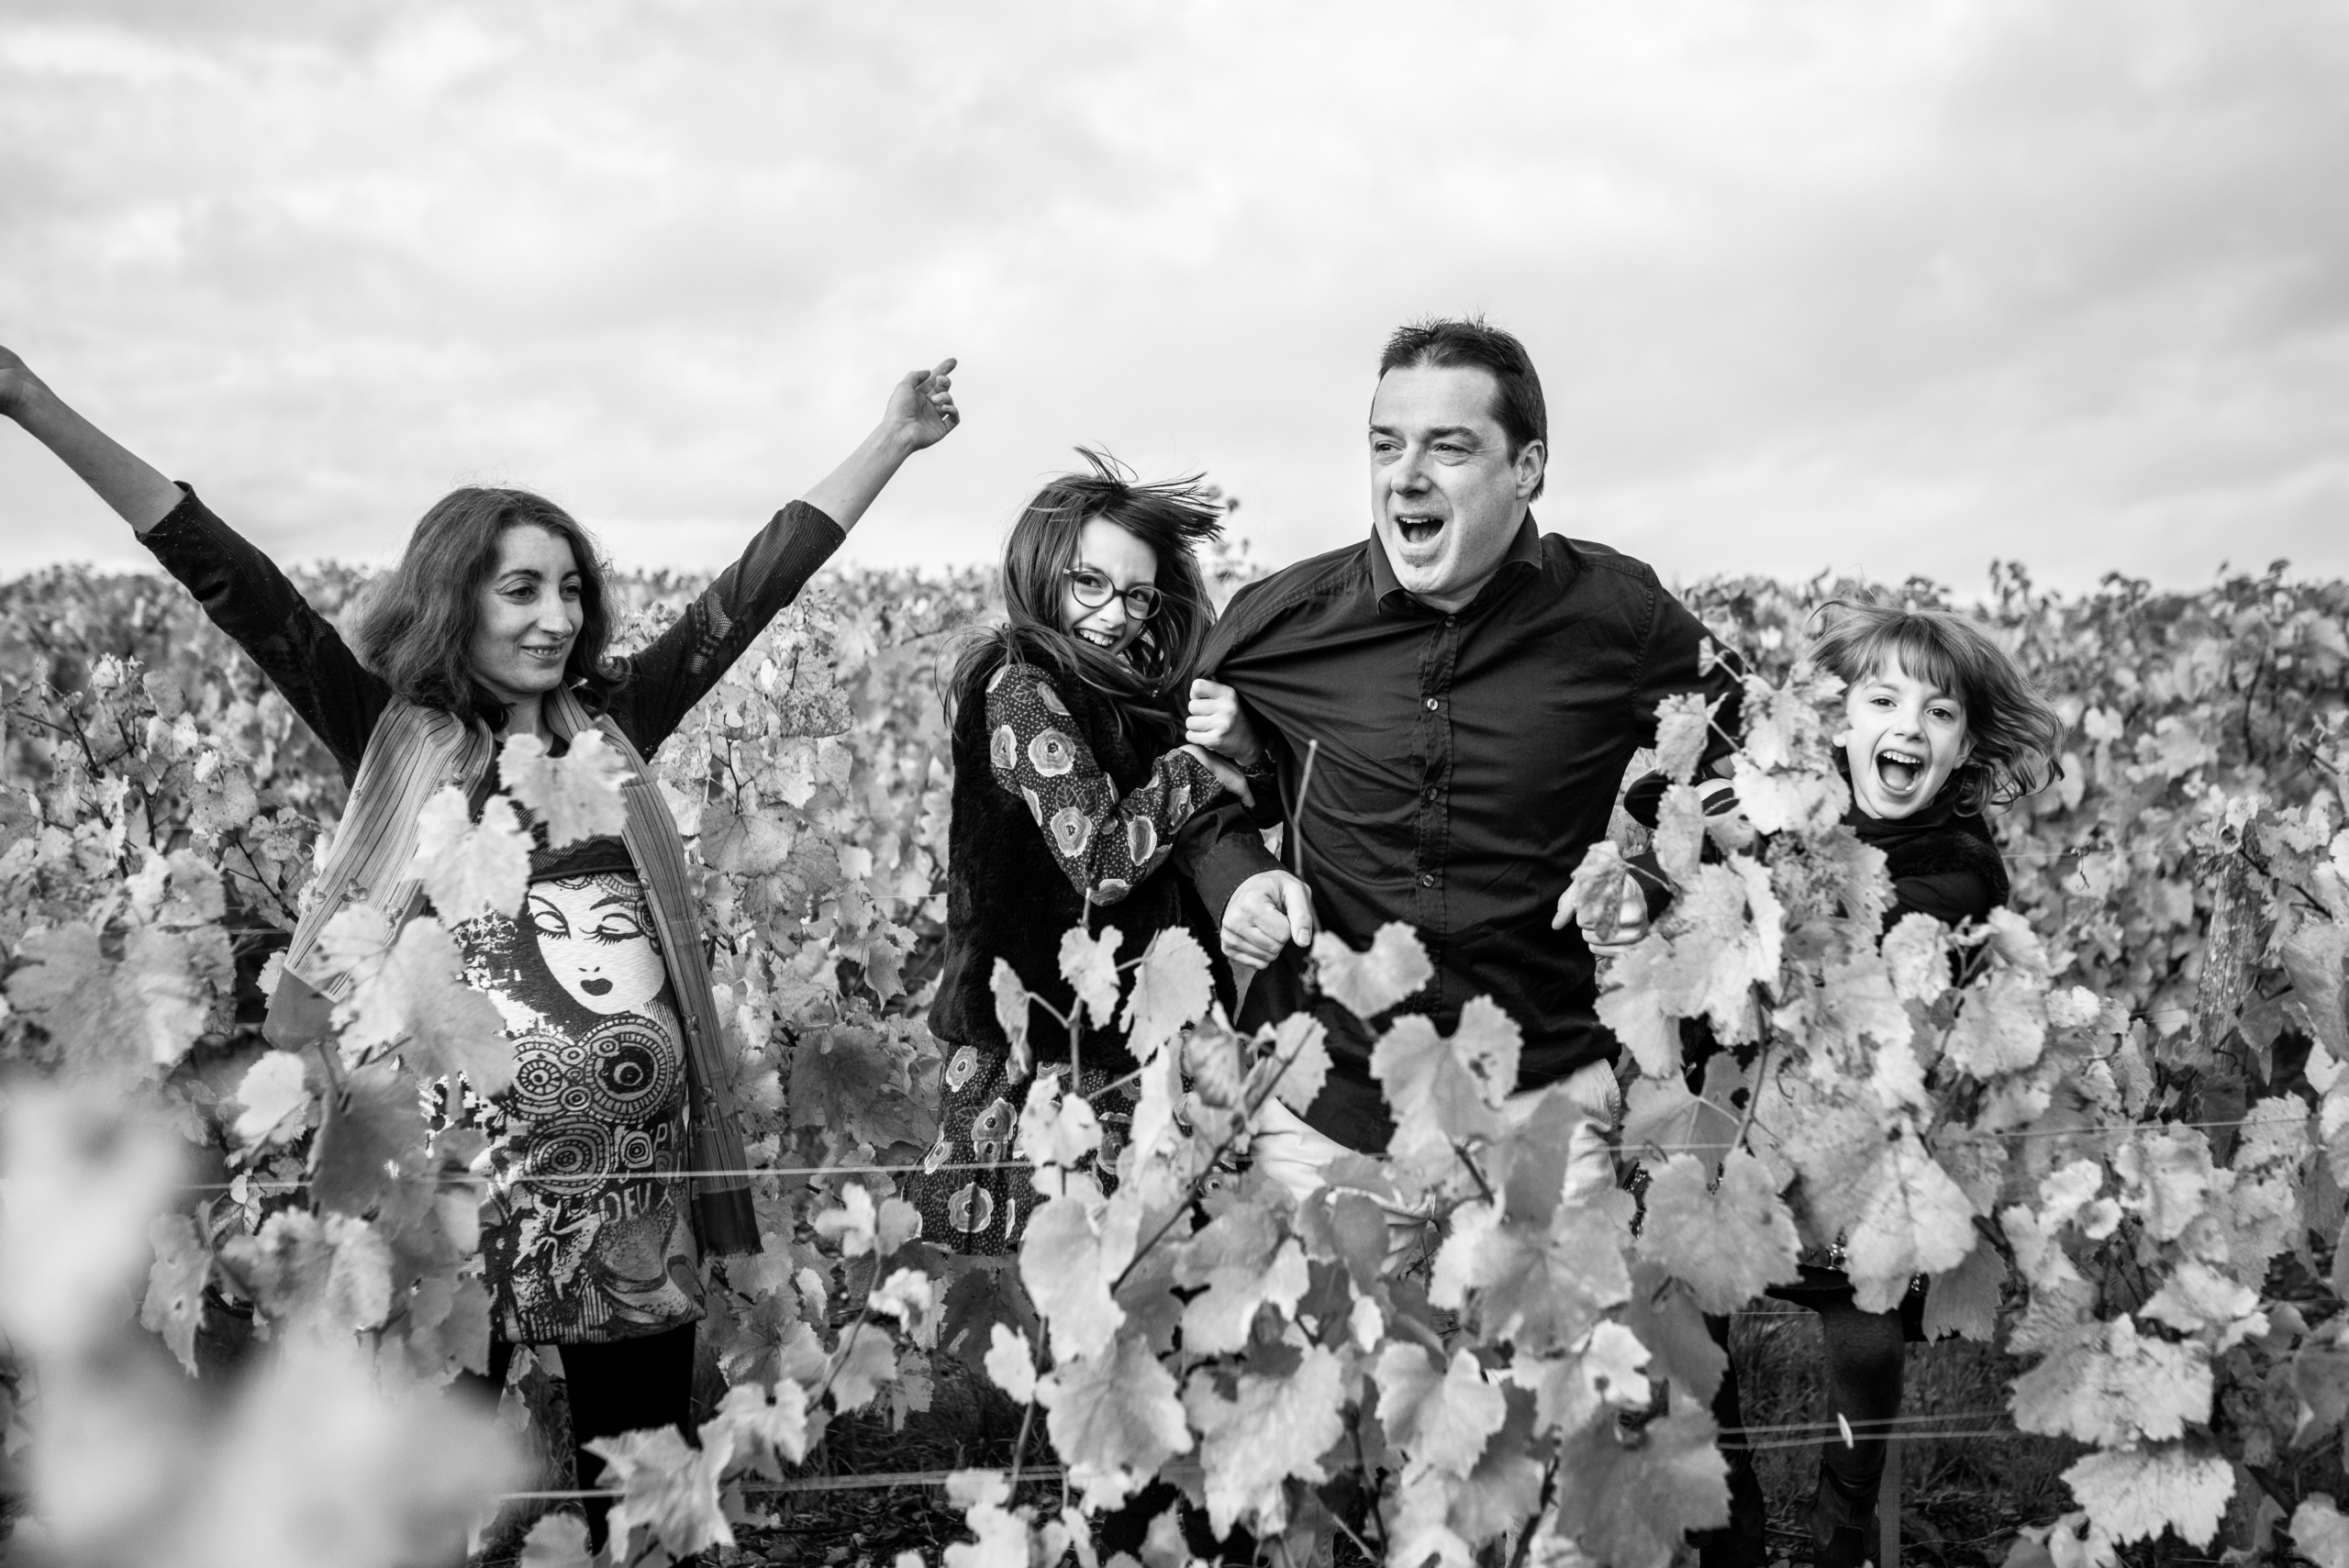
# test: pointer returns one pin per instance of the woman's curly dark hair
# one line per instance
(2016, 737)
(416, 629)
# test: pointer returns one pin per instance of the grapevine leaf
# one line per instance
(2135, 1494)
(2320, 1532)
(575, 796)
(1297, 1066)
(2166, 1178)
(1446, 1091)
(1540, 1287)
(2313, 956)
(1626, 1498)
(1011, 1363)
(273, 1089)
(1001, 1537)
(2108, 1386)
(174, 1304)
(667, 1488)
(1245, 1263)
(1504, 1489)
(859, 1081)
(329, 1278)
(1661, 1114)
(1964, 1300)
(1090, 964)
(1072, 1253)
(772, 1422)
(1912, 1219)
(1438, 1416)
(908, 1295)
(1666, 1317)
(1683, 725)
(1116, 1416)
(1611, 1359)
(2198, 1299)
(2003, 1026)
(1635, 1009)
(469, 869)
(1270, 1429)
(417, 1001)
(1916, 952)
(113, 1019)
(368, 1125)
(865, 1363)
(1056, 1131)
(1172, 988)
(752, 843)
(1367, 983)
(557, 1541)
(1726, 1244)
(853, 1226)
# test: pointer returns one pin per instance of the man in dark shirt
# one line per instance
(1471, 690)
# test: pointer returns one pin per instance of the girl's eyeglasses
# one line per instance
(1092, 589)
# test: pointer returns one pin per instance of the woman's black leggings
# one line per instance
(619, 1387)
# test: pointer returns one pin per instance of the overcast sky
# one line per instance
(1898, 288)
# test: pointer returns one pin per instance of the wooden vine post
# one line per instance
(2224, 1061)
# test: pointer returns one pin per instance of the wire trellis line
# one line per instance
(1773, 1436)
(1627, 1150)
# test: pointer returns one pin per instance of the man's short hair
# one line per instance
(1517, 395)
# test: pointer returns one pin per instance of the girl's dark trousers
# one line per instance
(622, 1386)
(1863, 1355)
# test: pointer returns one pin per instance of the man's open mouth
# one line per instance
(1898, 769)
(1417, 528)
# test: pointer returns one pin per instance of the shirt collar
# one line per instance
(1524, 553)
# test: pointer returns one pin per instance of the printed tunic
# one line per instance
(587, 1229)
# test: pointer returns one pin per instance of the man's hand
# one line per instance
(19, 385)
(1604, 899)
(1268, 910)
(1225, 774)
(922, 406)
(1218, 723)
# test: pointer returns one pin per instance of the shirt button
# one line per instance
(1428, 793)
(1433, 704)
(1426, 879)
(1451, 620)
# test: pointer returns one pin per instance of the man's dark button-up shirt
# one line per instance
(1466, 763)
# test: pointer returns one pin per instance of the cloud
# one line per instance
(1840, 284)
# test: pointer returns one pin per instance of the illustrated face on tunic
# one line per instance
(593, 938)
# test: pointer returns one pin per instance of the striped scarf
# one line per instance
(415, 752)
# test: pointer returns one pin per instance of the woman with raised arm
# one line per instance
(615, 1155)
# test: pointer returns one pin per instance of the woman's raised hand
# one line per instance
(140, 494)
(922, 406)
(1218, 722)
(19, 385)
(922, 410)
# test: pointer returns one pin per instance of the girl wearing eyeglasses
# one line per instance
(1072, 778)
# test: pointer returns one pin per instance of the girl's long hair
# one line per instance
(416, 629)
(2017, 737)
(1174, 517)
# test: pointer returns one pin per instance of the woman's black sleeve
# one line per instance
(677, 668)
(295, 647)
